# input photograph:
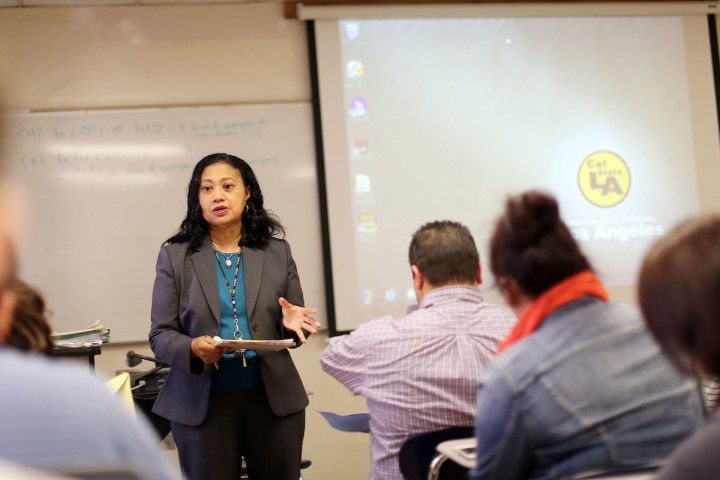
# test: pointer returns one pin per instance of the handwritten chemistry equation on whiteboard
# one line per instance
(106, 188)
(97, 149)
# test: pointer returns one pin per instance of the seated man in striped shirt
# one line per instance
(419, 373)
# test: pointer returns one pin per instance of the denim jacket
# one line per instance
(588, 390)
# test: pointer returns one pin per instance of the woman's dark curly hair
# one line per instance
(258, 224)
(532, 245)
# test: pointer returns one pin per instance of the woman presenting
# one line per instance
(225, 274)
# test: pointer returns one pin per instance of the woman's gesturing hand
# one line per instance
(296, 319)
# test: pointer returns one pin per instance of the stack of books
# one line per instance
(93, 335)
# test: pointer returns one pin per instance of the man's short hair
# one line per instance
(445, 253)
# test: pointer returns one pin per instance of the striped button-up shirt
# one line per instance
(419, 373)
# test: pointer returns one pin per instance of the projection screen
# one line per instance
(426, 119)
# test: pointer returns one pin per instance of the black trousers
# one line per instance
(241, 424)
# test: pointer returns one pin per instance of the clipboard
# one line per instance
(272, 345)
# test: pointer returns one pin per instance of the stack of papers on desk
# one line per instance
(96, 334)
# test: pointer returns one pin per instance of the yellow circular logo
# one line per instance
(604, 179)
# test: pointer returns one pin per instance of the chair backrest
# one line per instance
(418, 451)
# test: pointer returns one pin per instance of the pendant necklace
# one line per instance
(228, 261)
(237, 335)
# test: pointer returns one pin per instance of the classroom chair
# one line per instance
(461, 452)
(418, 451)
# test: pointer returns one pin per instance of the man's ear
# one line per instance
(479, 273)
(418, 278)
(8, 300)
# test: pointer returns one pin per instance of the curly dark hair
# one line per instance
(258, 224)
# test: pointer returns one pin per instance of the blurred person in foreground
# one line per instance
(678, 294)
(579, 384)
(56, 416)
(419, 373)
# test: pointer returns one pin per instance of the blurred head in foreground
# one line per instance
(679, 294)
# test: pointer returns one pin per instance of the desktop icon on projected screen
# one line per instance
(391, 295)
(358, 107)
(366, 296)
(359, 146)
(352, 30)
(362, 183)
(354, 69)
(410, 295)
(366, 223)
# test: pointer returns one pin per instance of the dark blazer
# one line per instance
(186, 304)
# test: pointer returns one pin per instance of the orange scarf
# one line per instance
(579, 285)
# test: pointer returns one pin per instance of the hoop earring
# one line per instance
(247, 208)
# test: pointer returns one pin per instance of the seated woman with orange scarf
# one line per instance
(579, 384)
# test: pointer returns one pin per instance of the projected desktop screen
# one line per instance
(429, 119)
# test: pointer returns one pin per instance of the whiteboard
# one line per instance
(106, 188)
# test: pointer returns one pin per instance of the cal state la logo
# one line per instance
(604, 179)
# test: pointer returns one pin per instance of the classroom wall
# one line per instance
(155, 56)
(151, 56)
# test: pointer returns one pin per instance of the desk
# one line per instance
(88, 352)
(460, 451)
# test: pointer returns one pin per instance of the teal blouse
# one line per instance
(231, 375)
